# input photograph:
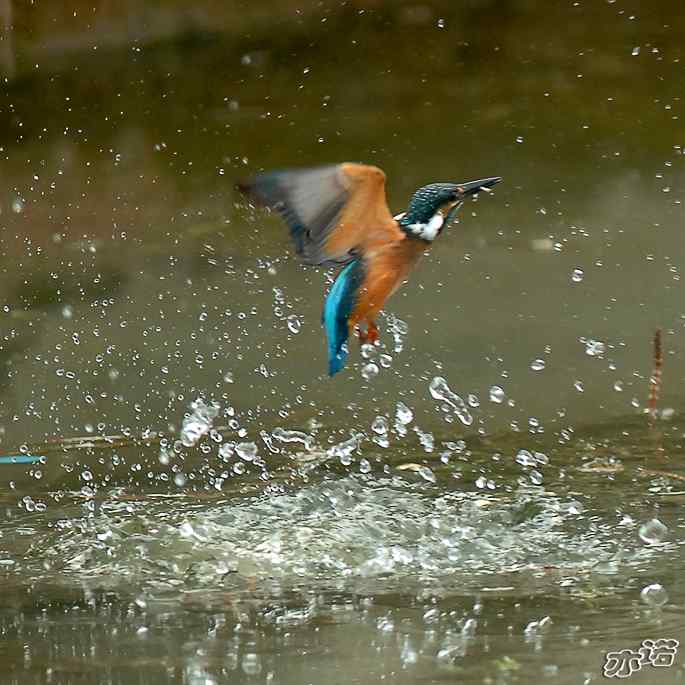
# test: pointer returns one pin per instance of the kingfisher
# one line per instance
(338, 216)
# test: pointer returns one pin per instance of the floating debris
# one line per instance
(20, 459)
(423, 471)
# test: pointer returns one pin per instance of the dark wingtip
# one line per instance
(258, 190)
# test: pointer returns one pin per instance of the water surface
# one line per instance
(160, 344)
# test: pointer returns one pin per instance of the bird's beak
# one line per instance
(473, 187)
(470, 188)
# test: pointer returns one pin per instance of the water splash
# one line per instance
(287, 436)
(199, 422)
(439, 390)
(652, 532)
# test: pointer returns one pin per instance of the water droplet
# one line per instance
(654, 595)
(17, 205)
(364, 466)
(595, 348)
(380, 425)
(535, 477)
(577, 275)
(635, 51)
(251, 664)
(537, 364)
(226, 451)
(496, 394)
(618, 386)
(246, 450)
(403, 414)
(541, 458)
(441, 23)
(439, 390)
(578, 385)
(409, 655)
(652, 532)
(426, 439)
(368, 351)
(294, 323)
(525, 458)
(369, 372)
(519, 139)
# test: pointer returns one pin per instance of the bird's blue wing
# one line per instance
(340, 302)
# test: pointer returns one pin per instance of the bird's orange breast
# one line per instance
(386, 268)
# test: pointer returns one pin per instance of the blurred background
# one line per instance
(152, 322)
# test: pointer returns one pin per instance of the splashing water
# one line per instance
(283, 435)
(398, 329)
(403, 417)
(343, 450)
(439, 390)
(199, 422)
(594, 348)
(652, 532)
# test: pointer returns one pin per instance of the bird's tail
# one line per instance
(339, 304)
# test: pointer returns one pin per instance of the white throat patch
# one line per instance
(429, 230)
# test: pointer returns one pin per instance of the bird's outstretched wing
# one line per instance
(334, 213)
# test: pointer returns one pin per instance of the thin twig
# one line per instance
(655, 380)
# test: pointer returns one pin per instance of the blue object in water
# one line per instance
(20, 459)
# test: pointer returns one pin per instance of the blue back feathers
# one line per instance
(337, 309)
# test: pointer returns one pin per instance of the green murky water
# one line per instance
(208, 507)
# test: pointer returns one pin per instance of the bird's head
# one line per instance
(432, 207)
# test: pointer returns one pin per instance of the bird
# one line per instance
(338, 216)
